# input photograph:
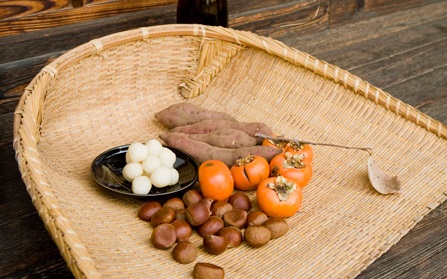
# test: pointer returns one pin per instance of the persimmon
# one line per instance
(215, 180)
(248, 172)
(291, 165)
(291, 146)
(306, 149)
(275, 143)
(279, 196)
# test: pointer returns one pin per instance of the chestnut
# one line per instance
(164, 215)
(180, 214)
(211, 226)
(163, 236)
(236, 218)
(191, 196)
(277, 226)
(215, 244)
(240, 200)
(219, 208)
(197, 213)
(233, 236)
(175, 202)
(184, 252)
(207, 271)
(207, 202)
(257, 236)
(183, 229)
(148, 209)
(256, 218)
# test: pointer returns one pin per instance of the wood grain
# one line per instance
(12, 10)
(27, 16)
(415, 253)
(343, 11)
(408, 58)
(38, 20)
(391, 6)
(301, 16)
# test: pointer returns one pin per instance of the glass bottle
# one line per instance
(208, 12)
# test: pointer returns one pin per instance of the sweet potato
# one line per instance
(228, 138)
(203, 151)
(208, 125)
(186, 113)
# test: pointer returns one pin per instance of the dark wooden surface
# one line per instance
(400, 46)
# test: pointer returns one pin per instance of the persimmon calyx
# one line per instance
(282, 187)
(293, 161)
(278, 143)
(296, 145)
(244, 161)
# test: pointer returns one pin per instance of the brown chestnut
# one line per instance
(197, 213)
(240, 200)
(211, 226)
(257, 236)
(207, 202)
(180, 214)
(164, 215)
(175, 202)
(148, 209)
(256, 218)
(236, 218)
(215, 244)
(277, 226)
(233, 236)
(207, 271)
(183, 230)
(219, 208)
(163, 236)
(191, 196)
(184, 252)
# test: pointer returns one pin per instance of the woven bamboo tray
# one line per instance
(104, 93)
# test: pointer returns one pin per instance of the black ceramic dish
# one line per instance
(107, 170)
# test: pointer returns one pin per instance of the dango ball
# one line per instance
(132, 171)
(151, 163)
(161, 177)
(174, 176)
(137, 152)
(154, 146)
(141, 185)
(167, 157)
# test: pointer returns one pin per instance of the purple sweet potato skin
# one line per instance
(202, 151)
(186, 114)
(227, 138)
(208, 125)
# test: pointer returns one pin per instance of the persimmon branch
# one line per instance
(298, 141)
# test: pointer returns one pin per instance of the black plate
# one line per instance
(107, 170)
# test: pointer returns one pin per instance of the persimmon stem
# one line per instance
(298, 141)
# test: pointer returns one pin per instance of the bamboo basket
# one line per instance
(104, 93)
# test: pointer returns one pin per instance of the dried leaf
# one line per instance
(382, 181)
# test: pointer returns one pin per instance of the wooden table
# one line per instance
(403, 52)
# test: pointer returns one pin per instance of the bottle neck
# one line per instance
(208, 12)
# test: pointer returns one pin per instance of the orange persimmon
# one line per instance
(248, 172)
(215, 180)
(291, 165)
(305, 149)
(279, 196)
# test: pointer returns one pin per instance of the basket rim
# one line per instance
(79, 260)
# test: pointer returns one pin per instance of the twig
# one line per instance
(299, 142)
